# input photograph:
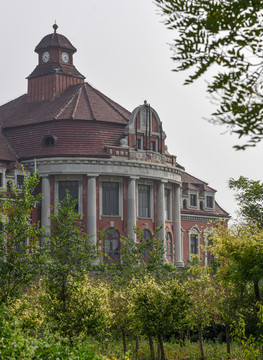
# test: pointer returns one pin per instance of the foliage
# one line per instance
(225, 35)
(239, 252)
(249, 194)
(68, 253)
(160, 307)
(18, 239)
(204, 294)
(86, 311)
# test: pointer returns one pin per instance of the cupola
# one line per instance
(55, 71)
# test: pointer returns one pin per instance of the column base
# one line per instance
(179, 263)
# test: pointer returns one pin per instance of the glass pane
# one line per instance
(110, 198)
(144, 200)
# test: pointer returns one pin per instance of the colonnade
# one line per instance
(131, 211)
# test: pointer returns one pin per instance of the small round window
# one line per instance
(49, 140)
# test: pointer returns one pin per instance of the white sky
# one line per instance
(123, 51)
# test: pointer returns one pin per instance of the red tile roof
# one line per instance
(6, 151)
(82, 119)
(192, 183)
(81, 102)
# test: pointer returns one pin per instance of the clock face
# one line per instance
(65, 57)
(45, 57)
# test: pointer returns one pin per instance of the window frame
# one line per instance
(120, 202)
(168, 204)
(110, 255)
(108, 198)
(169, 245)
(192, 196)
(150, 200)
(211, 198)
(194, 232)
(69, 178)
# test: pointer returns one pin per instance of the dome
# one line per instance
(55, 40)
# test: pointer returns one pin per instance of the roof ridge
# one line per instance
(10, 144)
(76, 104)
(89, 104)
(109, 101)
(69, 101)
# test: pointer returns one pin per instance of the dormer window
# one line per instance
(193, 200)
(210, 202)
(49, 140)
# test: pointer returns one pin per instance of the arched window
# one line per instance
(147, 237)
(194, 241)
(169, 247)
(111, 243)
(201, 205)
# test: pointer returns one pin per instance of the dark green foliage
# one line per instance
(249, 194)
(225, 35)
(19, 239)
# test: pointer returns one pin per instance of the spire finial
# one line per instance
(55, 27)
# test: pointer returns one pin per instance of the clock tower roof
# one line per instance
(55, 40)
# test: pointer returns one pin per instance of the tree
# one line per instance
(68, 255)
(204, 295)
(160, 308)
(225, 35)
(18, 239)
(239, 252)
(249, 194)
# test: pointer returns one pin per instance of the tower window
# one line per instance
(153, 146)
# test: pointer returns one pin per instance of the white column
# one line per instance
(131, 208)
(160, 207)
(177, 226)
(45, 204)
(92, 210)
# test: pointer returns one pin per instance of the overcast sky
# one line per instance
(123, 50)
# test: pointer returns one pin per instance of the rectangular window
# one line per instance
(110, 198)
(194, 244)
(209, 202)
(167, 199)
(138, 144)
(19, 181)
(1, 179)
(193, 200)
(72, 187)
(153, 146)
(144, 201)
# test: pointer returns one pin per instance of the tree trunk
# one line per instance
(136, 348)
(256, 290)
(160, 340)
(151, 347)
(124, 341)
(200, 335)
(228, 341)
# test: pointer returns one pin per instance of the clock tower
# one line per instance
(55, 71)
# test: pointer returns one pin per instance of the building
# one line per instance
(115, 162)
